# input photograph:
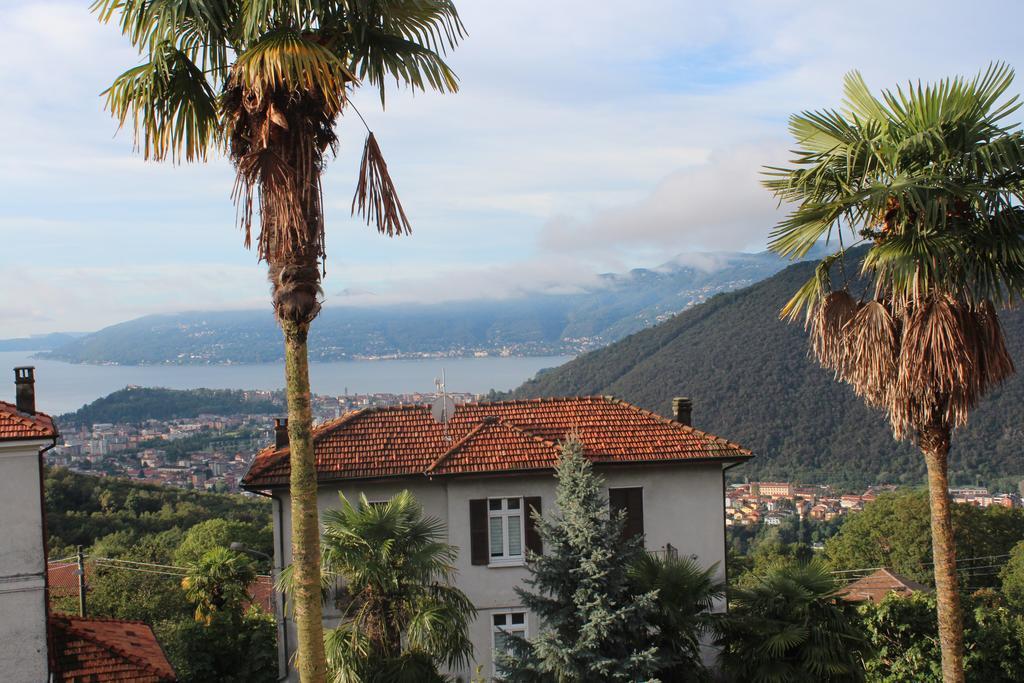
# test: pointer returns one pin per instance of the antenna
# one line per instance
(443, 407)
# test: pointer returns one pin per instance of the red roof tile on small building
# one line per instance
(15, 425)
(106, 650)
(489, 437)
(875, 586)
(62, 579)
(261, 594)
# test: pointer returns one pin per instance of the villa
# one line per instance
(483, 467)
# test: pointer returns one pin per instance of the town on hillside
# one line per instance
(771, 502)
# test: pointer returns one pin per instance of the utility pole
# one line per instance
(81, 582)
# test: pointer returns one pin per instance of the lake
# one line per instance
(63, 387)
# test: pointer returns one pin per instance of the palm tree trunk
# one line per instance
(311, 662)
(934, 442)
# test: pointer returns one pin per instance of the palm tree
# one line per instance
(931, 180)
(402, 615)
(790, 627)
(682, 612)
(218, 583)
(265, 81)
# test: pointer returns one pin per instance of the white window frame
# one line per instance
(507, 612)
(505, 559)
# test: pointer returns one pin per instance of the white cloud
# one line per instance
(719, 205)
(587, 137)
(88, 298)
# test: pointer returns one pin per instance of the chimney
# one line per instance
(281, 432)
(25, 389)
(682, 410)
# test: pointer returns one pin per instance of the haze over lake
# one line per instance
(63, 387)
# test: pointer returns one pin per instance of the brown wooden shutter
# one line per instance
(478, 548)
(631, 500)
(533, 541)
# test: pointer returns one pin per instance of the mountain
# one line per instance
(751, 380)
(40, 342)
(534, 324)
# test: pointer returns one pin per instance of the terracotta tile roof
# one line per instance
(18, 425)
(875, 586)
(261, 593)
(62, 578)
(504, 436)
(104, 650)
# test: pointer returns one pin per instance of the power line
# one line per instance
(144, 564)
(139, 569)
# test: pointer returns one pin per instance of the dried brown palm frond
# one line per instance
(827, 325)
(873, 343)
(996, 362)
(937, 377)
(376, 198)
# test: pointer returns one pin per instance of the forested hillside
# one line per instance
(137, 404)
(752, 381)
(81, 510)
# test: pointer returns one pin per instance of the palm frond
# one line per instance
(286, 60)
(872, 340)
(171, 106)
(376, 198)
(201, 29)
(828, 330)
(404, 40)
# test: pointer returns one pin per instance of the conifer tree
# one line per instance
(592, 627)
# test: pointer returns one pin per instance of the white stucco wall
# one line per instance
(22, 564)
(682, 507)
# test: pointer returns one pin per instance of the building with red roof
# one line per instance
(878, 584)
(482, 466)
(36, 645)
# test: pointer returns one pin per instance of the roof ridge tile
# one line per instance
(458, 444)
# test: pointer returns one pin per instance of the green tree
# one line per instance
(221, 533)
(905, 640)
(394, 572)
(769, 553)
(225, 641)
(1012, 577)
(123, 590)
(682, 615)
(594, 627)
(931, 178)
(218, 582)
(224, 650)
(265, 82)
(892, 532)
(790, 628)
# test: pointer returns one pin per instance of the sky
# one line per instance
(587, 137)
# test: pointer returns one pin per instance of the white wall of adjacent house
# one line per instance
(682, 509)
(23, 655)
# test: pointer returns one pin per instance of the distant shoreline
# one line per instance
(64, 386)
(45, 355)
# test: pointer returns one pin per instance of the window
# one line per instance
(505, 529)
(503, 625)
(631, 501)
(501, 530)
